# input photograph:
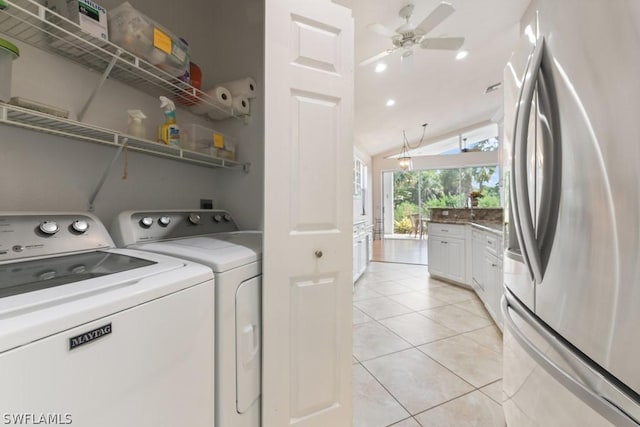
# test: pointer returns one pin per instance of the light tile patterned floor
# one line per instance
(426, 353)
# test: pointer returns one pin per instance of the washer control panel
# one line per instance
(146, 226)
(33, 234)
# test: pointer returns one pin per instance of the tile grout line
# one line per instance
(474, 388)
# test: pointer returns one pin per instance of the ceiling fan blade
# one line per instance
(381, 30)
(438, 15)
(375, 58)
(443, 43)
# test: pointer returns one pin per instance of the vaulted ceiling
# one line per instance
(432, 86)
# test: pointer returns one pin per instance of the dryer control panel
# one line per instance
(132, 227)
(35, 234)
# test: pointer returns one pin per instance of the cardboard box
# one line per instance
(90, 16)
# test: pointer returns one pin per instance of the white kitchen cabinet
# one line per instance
(447, 252)
(487, 271)
(477, 261)
(493, 282)
(361, 250)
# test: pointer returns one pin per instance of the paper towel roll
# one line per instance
(241, 105)
(219, 96)
(246, 87)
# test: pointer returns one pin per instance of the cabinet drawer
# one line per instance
(493, 244)
(453, 230)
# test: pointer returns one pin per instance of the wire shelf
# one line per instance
(34, 24)
(41, 122)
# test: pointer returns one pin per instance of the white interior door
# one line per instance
(307, 289)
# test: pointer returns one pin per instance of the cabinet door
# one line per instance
(455, 259)
(493, 274)
(308, 223)
(363, 254)
(477, 263)
(436, 254)
(493, 271)
(356, 258)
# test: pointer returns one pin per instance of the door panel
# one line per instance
(308, 267)
(315, 370)
(436, 256)
(248, 344)
(455, 259)
(314, 161)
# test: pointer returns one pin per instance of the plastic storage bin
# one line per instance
(208, 141)
(144, 37)
(8, 52)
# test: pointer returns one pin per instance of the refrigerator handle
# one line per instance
(605, 406)
(551, 138)
(525, 220)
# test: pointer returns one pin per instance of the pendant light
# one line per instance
(404, 159)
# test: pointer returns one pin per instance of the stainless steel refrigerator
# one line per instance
(572, 248)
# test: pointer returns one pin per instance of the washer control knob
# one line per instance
(78, 269)
(164, 221)
(80, 226)
(146, 222)
(47, 275)
(227, 217)
(217, 218)
(194, 218)
(49, 227)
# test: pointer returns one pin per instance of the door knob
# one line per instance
(318, 254)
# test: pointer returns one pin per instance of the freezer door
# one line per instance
(547, 383)
(590, 291)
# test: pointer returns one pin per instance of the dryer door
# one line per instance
(248, 343)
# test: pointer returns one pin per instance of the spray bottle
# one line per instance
(169, 131)
(136, 128)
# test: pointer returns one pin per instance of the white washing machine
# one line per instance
(212, 238)
(96, 336)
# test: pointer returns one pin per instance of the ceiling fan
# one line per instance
(408, 35)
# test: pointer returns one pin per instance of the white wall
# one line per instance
(41, 172)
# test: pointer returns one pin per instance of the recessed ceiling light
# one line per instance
(380, 67)
(390, 102)
(462, 54)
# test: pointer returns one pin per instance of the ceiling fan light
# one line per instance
(462, 54)
(380, 67)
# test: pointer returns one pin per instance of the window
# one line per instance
(415, 192)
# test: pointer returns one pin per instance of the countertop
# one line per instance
(492, 227)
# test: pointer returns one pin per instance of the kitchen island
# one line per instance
(465, 248)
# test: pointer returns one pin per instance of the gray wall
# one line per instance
(41, 172)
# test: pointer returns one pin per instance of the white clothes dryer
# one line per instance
(212, 238)
(96, 336)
